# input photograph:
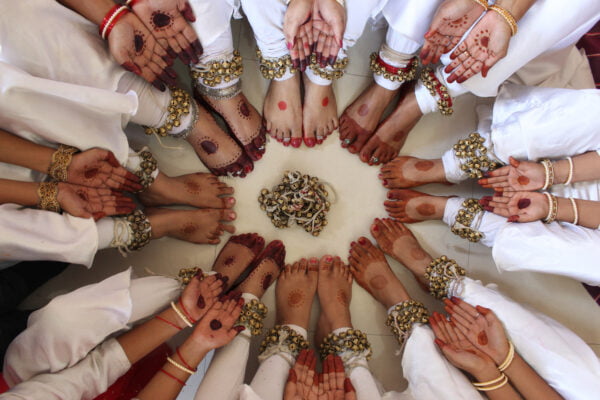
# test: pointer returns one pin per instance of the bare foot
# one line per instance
(406, 172)
(392, 132)
(295, 290)
(243, 120)
(236, 256)
(359, 120)
(282, 111)
(410, 206)
(397, 241)
(319, 115)
(197, 190)
(264, 270)
(335, 291)
(373, 273)
(196, 226)
(216, 149)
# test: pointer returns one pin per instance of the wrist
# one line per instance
(487, 372)
(170, 315)
(194, 350)
(565, 210)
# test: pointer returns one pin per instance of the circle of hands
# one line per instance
(214, 312)
(304, 383)
(95, 182)
(515, 188)
(314, 27)
(484, 46)
(147, 41)
(472, 338)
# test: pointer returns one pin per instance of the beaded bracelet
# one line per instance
(48, 193)
(440, 273)
(473, 156)
(437, 90)
(61, 159)
(391, 73)
(216, 72)
(508, 17)
(462, 226)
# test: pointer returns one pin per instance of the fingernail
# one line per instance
(513, 218)
(488, 208)
(289, 45)
(439, 342)
(390, 196)
(455, 300)
(239, 328)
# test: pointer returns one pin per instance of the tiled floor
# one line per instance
(359, 199)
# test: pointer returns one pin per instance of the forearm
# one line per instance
(586, 167)
(17, 151)
(16, 192)
(517, 8)
(505, 392)
(588, 212)
(167, 385)
(528, 382)
(93, 10)
(141, 340)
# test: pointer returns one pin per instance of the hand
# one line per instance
(485, 45)
(133, 46)
(100, 169)
(168, 21)
(298, 31)
(301, 51)
(329, 24)
(216, 328)
(518, 206)
(87, 202)
(481, 327)
(518, 176)
(303, 382)
(335, 384)
(201, 294)
(450, 22)
(456, 347)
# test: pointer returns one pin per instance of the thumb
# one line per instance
(290, 31)
(338, 25)
(513, 162)
(187, 11)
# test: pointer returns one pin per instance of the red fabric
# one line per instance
(3, 385)
(130, 384)
(591, 43)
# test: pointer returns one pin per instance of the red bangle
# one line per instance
(172, 376)
(394, 70)
(167, 322)
(116, 19)
(107, 17)
(188, 366)
(187, 314)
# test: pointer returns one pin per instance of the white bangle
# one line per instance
(180, 315)
(570, 176)
(179, 366)
(575, 211)
(549, 172)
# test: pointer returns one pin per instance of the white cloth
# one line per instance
(213, 18)
(62, 354)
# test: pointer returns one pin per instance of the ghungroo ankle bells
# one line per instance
(140, 232)
(391, 73)
(216, 72)
(47, 193)
(61, 159)
(180, 105)
(252, 316)
(466, 224)
(185, 275)
(282, 339)
(403, 316)
(473, 156)
(272, 68)
(146, 168)
(352, 341)
(441, 274)
(329, 72)
(437, 90)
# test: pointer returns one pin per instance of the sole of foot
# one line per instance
(410, 206)
(282, 111)
(264, 270)
(407, 172)
(373, 273)
(195, 226)
(359, 120)
(237, 254)
(294, 292)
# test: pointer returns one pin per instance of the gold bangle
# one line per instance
(482, 3)
(179, 366)
(552, 208)
(48, 193)
(61, 159)
(575, 211)
(503, 379)
(509, 357)
(508, 17)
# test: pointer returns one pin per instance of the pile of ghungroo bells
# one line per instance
(298, 198)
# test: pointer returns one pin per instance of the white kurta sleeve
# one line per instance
(31, 234)
(87, 379)
(558, 355)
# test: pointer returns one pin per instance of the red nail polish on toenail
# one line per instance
(362, 241)
(353, 244)
(352, 148)
(248, 168)
(380, 176)
(376, 228)
(390, 196)
(385, 182)
(310, 142)
(313, 260)
(296, 142)
(329, 259)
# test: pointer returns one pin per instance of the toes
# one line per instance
(296, 267)
(275, 251)
(228, 215)
(252, 241)
(366, 154)
(228, 202)
(305, 265)
(226, 227)
(326, 263)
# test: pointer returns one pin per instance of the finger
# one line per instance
(469, 317)
(188, 12)
(350, 392)
(98, 215)
(438, 329)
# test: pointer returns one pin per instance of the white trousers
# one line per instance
(533, 123)
(67, 351)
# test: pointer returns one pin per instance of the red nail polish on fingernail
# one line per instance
(439, 342)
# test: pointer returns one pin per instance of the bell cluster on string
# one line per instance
(298, 198)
